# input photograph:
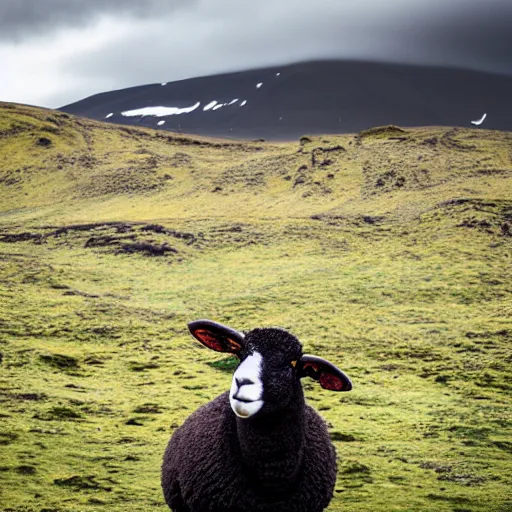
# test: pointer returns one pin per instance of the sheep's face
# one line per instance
(246, 393)
(271, 365)
(267, 377)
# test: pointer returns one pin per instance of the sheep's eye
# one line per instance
(294, 363)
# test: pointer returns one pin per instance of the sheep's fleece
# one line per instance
(279, 460)
(211, 471)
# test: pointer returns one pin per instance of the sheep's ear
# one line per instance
(329, 376)
(216, 336)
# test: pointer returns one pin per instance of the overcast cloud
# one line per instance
(53, 52)
(24, 18)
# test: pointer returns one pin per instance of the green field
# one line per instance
(388, 252)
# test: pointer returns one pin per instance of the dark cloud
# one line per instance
(480, 37)
(23, 18)
(231, 38)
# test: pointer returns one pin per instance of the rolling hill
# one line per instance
(388, 251)
(283, 103)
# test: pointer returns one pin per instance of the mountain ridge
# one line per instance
(312, 97)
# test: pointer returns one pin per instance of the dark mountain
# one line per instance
(313, 97)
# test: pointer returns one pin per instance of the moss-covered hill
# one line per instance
(389, 252)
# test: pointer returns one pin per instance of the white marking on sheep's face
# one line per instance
(246, 391)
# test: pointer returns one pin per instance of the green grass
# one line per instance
(395, 267)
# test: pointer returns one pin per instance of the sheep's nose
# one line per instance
(243, 382)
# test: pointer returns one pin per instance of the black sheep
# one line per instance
(258, 447)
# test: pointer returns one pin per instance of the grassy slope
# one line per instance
(388, 253)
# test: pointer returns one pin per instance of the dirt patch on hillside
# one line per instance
(116, 237)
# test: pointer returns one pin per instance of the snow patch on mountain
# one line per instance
(479, 121)
(210, 105)
(160, 111)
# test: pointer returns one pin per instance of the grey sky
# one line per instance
(24, 18)
(54, 52)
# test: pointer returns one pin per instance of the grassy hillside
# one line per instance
(388, 252)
